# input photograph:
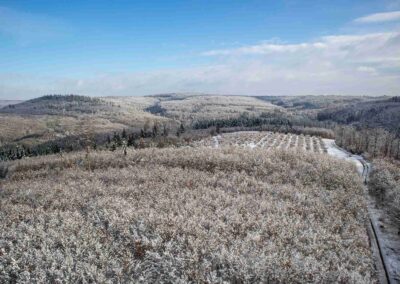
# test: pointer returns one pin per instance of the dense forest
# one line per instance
(275, 121)
(373, 142)
(371, 128)
(373, 114)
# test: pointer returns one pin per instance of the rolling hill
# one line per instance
(380, 113)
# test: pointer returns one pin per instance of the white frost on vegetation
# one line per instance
(186, 215)
(265, 140)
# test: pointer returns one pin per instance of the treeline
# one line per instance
(246, 120)
(66, 98)
(277, 122)
(242, 121)
(19, 151)
(374, 142)
(157, 135)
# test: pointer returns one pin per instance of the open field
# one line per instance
(265, 140)
(184, 215)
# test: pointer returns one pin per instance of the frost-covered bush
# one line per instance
(3, 170)
(384, 184)
(184, 215)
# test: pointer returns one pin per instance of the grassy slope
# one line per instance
(188, 214)
(48, 118)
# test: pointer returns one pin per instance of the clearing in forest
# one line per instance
(265, 140)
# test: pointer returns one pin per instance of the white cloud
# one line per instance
(265, 48)
(379, 17)
(367, 69)
(325, 44)
(355, 64)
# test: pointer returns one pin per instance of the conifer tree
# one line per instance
(123, 134)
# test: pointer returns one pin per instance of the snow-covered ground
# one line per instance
(387, 233)
(264, 139)
(216, 141)
(335, 151)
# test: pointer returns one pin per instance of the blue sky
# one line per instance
(285, 47)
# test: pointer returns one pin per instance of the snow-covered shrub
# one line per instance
(384, 184)
(184, 215)
(3, 170)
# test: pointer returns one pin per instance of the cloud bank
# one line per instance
(379, 17)
(341, 64)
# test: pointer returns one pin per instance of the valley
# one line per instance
(192, 188)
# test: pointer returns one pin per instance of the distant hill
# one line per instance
(4, 103)
(59, 116)
(383, 113)
(314, 102)
(195, 107)
(59, 105)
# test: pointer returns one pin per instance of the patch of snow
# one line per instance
(261, 143)
(335, 151)
(216, 142)
(303, 138)
(251, 145)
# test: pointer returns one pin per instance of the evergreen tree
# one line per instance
(165, 130)
(131, 140)
(155, 130)
(113, 147)
(117, 139)
(181, 128)
(124, 135)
